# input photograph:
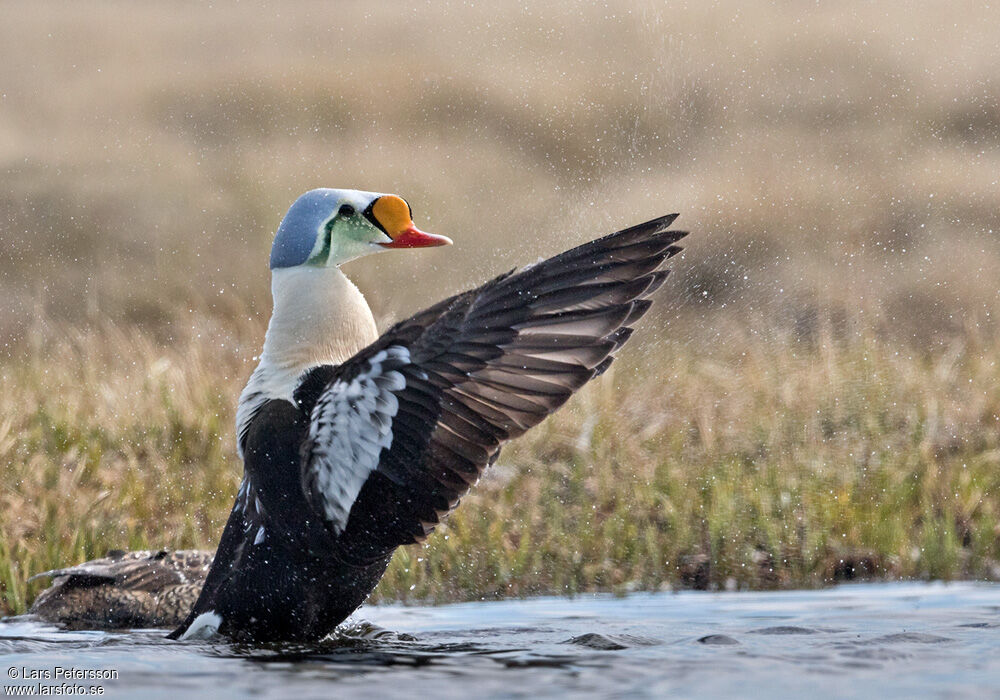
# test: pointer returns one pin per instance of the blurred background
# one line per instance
(836, 163)
(834, 158)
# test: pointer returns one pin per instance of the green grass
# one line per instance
(758, 463)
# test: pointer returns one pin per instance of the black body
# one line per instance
(467, 375)
(298, 584)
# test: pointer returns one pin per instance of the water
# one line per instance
(890, 640)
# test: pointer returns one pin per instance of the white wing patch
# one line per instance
(350, 426)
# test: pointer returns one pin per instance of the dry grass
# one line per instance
(781, 463)
(830, 333)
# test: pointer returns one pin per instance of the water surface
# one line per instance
(891, 640)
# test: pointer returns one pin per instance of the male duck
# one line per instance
(354, 443)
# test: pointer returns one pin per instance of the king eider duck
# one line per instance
(354, 444)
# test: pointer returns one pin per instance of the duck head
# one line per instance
(328, 227)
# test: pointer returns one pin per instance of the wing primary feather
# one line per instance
(639, 309)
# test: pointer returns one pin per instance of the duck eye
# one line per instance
(346, 210)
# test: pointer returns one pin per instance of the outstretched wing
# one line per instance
(402, 430)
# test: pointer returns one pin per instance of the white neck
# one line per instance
(319, 317)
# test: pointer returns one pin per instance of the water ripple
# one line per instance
(889, 640)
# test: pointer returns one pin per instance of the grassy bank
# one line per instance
(759, 462)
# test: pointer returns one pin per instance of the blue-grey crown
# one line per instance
(296, 236)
